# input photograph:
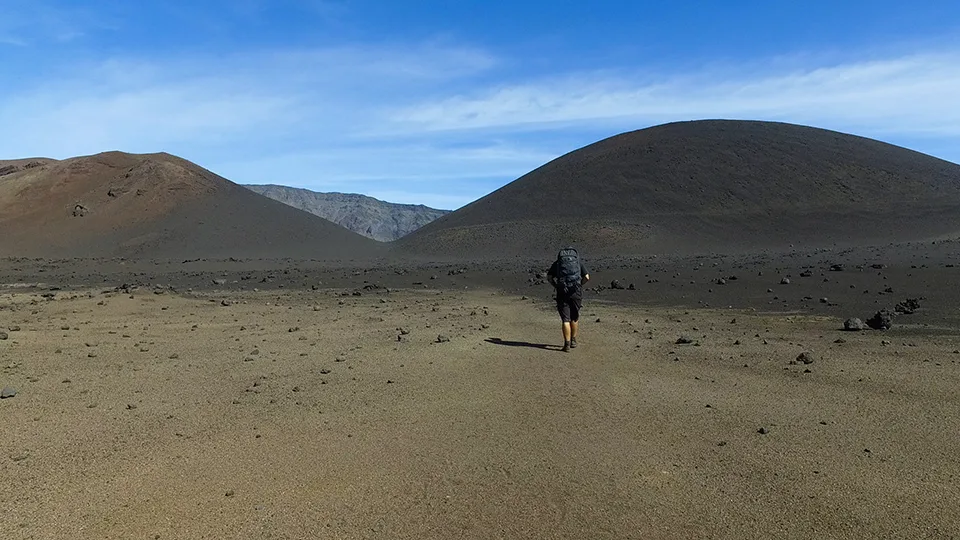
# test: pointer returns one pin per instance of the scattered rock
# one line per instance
(785, 281)
(837, 268)
(805, 358)
(442, 339)
(882, 320)
(8, 392)
(763, 431)
(854, 325)
(615, 284)
(684, 340)
(226, 303)
(3, 336)
(220, 281)
(908, 306)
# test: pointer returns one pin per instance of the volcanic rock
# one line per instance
(907, 307)
(854, 325)
(882, 320)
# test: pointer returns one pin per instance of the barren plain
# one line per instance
(439, 406)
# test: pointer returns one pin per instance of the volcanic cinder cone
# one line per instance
(157, 205)
(707, 186)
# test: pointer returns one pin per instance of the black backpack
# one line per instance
(568, 269)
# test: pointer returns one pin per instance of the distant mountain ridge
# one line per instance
(370, 217)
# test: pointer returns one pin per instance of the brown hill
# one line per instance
(156, 205)
(707, 186)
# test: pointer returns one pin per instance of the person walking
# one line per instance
(567, 275)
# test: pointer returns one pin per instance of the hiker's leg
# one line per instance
(566, 332)
(575, 317)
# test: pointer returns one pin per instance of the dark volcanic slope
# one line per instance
(707, 186)
(156, 205)
(361, 214)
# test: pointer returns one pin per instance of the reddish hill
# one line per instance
(708, 186)
(156, 205)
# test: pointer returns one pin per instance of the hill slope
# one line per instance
(157, 205)
(361, 214)
(709, 185)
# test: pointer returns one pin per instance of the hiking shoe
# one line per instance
(573, 343)
(566, 346)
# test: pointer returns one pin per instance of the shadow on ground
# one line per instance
(498, 341)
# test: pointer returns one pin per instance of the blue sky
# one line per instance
(441, 102)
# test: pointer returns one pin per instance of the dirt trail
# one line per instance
(310, 414)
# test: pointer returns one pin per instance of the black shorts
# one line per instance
(569, 307)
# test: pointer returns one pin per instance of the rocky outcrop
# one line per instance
(361, 214)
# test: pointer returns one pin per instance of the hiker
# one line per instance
(567, 275)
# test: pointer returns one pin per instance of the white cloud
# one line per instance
(912, 94)
(435, 123)
(253, 100)
(28, 22)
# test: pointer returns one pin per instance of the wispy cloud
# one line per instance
(256, 99)
(442, 122)
(912, 94)
(29, 22)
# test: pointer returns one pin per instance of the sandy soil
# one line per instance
(309, 414)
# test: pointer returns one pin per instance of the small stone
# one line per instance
(805, 358)
(3, 336)
(8, 392)
(853, 325)
(684, 340)
(785, 281)
(763, 431)
(442, 339)
(882, 320)
(226, 303)
(220, 281)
